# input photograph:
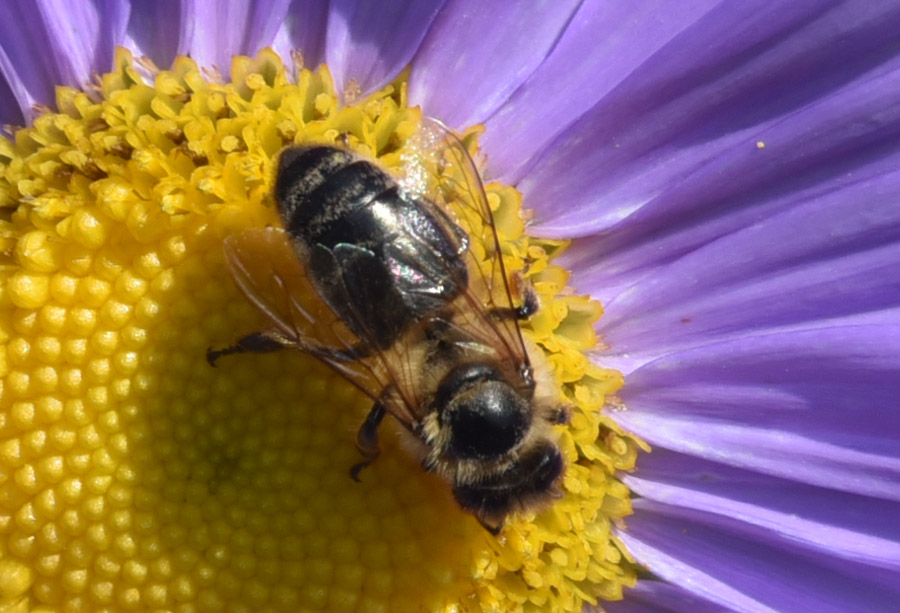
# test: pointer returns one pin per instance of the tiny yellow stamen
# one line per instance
(133, 476)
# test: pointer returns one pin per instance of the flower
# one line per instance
(728, 171)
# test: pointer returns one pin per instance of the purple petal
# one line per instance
(856, 528)
(735, 565)
(815, 406)
(371, 42)
(266, 19)
(157, 43)
(605, 42)
(214, 32)
(52, 42)
(10, 113)
(17, 108)
(823, 259)
(650, 596)
(303, 29)
(478, 53)
(83, 35)
(676, 142)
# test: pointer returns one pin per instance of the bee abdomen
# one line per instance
(302, 170)
(382, 260)
(328, 208)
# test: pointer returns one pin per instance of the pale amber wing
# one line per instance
(267, 270)
(443, 171)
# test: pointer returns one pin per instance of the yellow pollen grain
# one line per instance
(135, 477)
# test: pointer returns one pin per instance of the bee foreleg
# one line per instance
(258, 342)
(367, 437)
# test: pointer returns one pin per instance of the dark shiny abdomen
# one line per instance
(382, 260)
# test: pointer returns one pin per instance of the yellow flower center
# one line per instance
(133, 476)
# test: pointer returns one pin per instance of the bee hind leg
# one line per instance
(367, 438)
(258, 342)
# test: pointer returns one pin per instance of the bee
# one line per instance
(380, 281)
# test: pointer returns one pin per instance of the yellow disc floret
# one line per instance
(135, 477)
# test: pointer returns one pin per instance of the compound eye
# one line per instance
(486, 420)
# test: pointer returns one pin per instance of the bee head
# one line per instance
(528, 481)
(485, 415)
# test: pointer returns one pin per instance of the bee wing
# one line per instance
(265, 267)
(486, 311)
(267, 270)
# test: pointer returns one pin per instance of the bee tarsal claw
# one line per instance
(212, 355)
(356, 469)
